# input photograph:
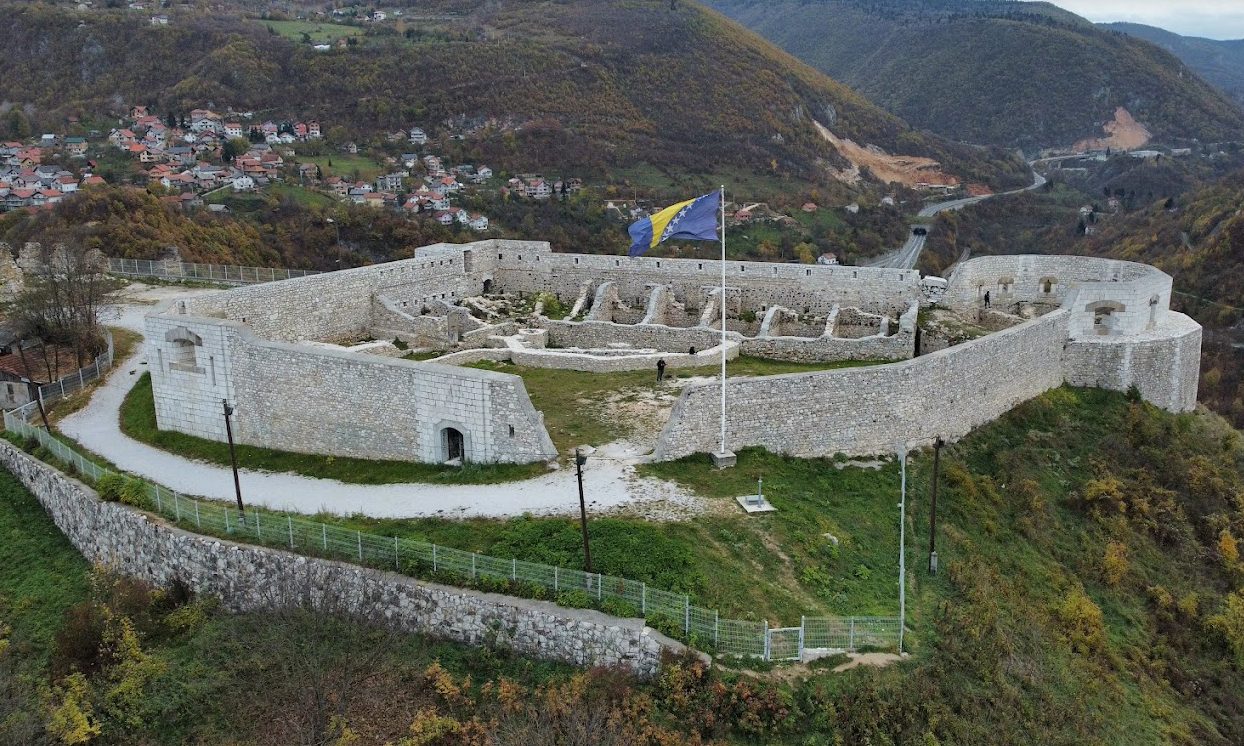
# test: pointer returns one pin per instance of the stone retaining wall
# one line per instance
(249, 578)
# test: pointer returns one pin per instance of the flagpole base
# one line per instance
(725, 460)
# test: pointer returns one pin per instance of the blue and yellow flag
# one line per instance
(693, 220)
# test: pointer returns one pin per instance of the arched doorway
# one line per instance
(452, 445)
(487, 287)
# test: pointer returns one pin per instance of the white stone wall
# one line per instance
(871, 410)
(1164, 364)
(248, 578)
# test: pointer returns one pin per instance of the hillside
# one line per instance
(1218, 62)
(533, 85)
(1017, 74)
(1089, 592)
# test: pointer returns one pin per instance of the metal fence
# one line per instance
(669, 612)
(50, 392)
(228, 273)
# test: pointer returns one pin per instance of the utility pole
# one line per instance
(233, 456)
(937, 462)
(33, 389)
(902, 545)
(579, 461)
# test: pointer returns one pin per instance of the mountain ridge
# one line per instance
(1024, 75)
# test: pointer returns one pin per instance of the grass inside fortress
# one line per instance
(138, 421)
(597, 408)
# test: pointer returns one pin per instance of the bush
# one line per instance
(1082, 623)
(575, 600)
(1230, 624)
(666, 625)
(618, 607)
(1114, 564)
(135, 493)
(110, 487)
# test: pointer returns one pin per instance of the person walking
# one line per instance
(986, 299)
(660, 370)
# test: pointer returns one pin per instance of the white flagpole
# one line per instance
(722, 300)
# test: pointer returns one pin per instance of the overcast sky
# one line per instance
(1214, 19)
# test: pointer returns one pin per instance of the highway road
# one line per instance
(909, 254)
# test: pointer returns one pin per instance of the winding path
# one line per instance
(612, 485)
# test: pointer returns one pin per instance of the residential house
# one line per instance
(160, 20)
(122, 138)
(67, 184)
(243, 184)
(438, 201)
(445, 217)
(390, 182)
(234, 129)
(137, 112)
(202, 120)
(479, 222)
(313, 130)
(418, 136)
(76, 147)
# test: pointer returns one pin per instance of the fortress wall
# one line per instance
(306, 399)
(602, 334)
(869, 410)
(250, 578)
(1027, 275)
(1163, 364)
(796, 286)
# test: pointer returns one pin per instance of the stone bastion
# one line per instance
(314, 364)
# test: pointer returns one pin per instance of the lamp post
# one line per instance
(579, 461)
(902, 546)
(937, 455)
(233, 456)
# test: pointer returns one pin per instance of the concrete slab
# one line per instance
(754, 504)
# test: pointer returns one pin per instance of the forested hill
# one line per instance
(992, 71)
(1219, 62)
(583, 84)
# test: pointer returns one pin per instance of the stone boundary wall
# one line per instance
(1165, 366)
(797, 286)
(296, 397)
(248, 578)
(872, 410)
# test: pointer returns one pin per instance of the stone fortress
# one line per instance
(316, 364)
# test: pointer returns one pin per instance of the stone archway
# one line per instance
(453, 445)
(1104, 312)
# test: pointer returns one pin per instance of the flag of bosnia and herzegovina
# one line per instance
(693, 220)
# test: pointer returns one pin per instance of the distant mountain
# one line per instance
(999, 72)
(1219, 62)
(580, 86)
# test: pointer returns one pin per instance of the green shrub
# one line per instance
(110, 487)
(618, 607)
(666, 625)
(575, 600)
(135, 493)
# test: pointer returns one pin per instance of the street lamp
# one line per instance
(579, 461)
(233, 456)
(937, 455)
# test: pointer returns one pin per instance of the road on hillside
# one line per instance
(906, 257)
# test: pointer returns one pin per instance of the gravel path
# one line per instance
(609, 477)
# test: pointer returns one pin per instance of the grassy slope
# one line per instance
(591, 97)
(992, 73)
(1007, 647)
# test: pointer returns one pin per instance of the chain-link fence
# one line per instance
(226, 273)
(59, 389)
(672, 613)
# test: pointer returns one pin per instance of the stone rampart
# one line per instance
(870, 410)
(248, 578)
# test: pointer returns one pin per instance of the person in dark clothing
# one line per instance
(986, 299)
(691, 351)
(660, 370)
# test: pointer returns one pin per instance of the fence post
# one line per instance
(766, 639)
(81, 383)
(159, 502)
(198, 523)
(686, 604)
(554, 579)
(290, 522)
(176, 507)
(643, 599)
(359, 534)
(472, 565)
(514, 569)
(716, 629)
(433, 558)
(599, 592)
(851, 636)
(801, 623)
(227, 529)
(258, 526)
